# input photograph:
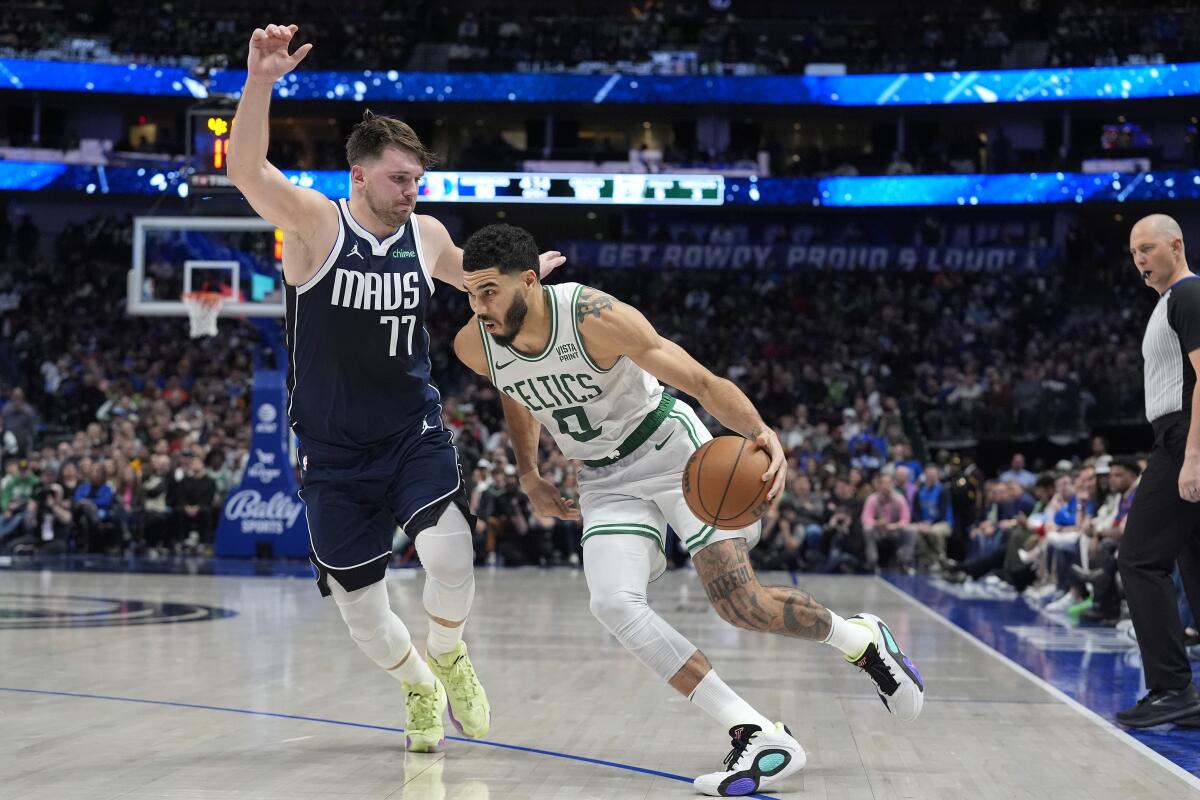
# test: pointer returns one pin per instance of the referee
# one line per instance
(1164, 523)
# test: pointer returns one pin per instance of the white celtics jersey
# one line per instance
(589, 411)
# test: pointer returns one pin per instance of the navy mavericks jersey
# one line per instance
(359, 371)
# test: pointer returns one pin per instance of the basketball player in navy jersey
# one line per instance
(373, 452)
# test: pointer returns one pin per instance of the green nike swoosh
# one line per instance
(498, 365)
(659, 446)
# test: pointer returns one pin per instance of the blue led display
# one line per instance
(18, 176)
(963, 190)
(860, 192)
(78, 76)
(930, 88)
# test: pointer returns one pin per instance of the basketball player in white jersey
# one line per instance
(588, 368)
(374, 453)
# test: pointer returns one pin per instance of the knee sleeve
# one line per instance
(372, 623)
(642, 632)
(448, 556)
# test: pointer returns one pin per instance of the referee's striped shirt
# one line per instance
(1172, 333)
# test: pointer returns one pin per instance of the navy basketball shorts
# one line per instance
(355, 499)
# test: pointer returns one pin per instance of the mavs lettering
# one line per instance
(375, 291)
(554, 391)
(359, 371)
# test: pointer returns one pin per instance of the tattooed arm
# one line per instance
(611, 329)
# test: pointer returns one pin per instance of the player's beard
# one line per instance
(514, 319)
(391, 216)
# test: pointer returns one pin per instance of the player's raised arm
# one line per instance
(447, 257)
(302, 213)
(612, 329)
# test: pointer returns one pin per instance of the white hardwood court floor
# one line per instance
(275, 702)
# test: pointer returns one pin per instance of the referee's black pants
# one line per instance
(1162, 530)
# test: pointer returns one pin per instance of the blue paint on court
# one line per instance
(302, 718)
(1104, 679)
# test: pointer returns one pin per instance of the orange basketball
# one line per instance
(723, 483)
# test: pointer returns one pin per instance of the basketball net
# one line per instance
(203, 309)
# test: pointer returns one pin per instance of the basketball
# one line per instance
(723, 483)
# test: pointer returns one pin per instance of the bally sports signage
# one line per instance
(265, 508)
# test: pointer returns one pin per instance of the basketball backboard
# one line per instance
(239, 257)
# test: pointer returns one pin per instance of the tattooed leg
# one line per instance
(734, 591)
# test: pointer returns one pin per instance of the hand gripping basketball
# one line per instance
(269, 57)
(723, 482)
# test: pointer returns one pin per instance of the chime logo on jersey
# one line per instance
(562, 391)
(374, 291)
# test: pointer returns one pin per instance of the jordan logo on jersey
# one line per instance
(375, 291)
(354, 252)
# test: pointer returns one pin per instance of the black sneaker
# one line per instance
(1161, 706)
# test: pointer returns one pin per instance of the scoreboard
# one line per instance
(212, 143)
(209, 140)
(496, 187)
(593, 188)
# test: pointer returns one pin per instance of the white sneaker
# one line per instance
(896, 677)
(758, 759)
(1062, 603)
(1040, 594)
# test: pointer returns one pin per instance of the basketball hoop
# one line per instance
(203, 309)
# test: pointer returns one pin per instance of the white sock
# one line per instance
(413, 670)
(849, 637)
(723, 704)
(442, 640)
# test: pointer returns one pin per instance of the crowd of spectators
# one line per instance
(118, 433)
(519, 34)
(861, 374)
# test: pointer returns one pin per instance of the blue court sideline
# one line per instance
(1098, 667)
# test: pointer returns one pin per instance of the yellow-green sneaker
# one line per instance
(424, 704)
(469, 709)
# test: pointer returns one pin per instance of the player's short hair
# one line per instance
(506, 247)
(374, 134)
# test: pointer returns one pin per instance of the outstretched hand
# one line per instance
(269, 57)
(550, 261)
